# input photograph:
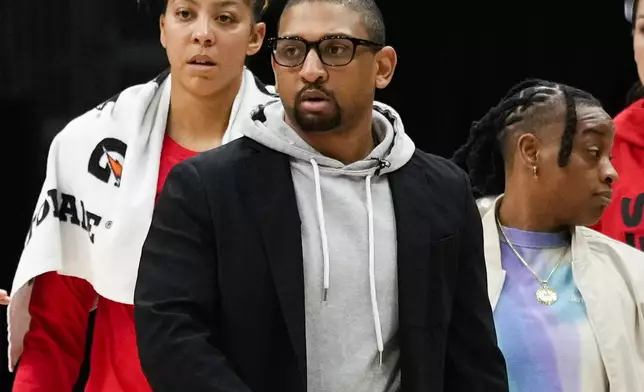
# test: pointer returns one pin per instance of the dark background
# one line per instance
(456, 59)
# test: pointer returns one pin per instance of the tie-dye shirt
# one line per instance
(547, 348)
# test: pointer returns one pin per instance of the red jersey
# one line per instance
(623, 220)
(54, 347)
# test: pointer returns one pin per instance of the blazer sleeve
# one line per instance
(474, 361)
(176, 293)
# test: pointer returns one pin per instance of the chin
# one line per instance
(317, 123)
(200, 87)
(591, 220)
(317, 127)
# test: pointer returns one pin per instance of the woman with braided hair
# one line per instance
(568, 301)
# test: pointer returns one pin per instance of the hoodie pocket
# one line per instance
(431, 285)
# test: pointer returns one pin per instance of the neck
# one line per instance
(199, 123)
(345, 145)
(520, 210)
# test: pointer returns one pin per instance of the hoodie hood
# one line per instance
(320, 183)
(630, 124)
(393, 151)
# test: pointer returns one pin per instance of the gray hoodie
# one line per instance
(349, 253)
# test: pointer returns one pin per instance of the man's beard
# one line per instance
(317, 122)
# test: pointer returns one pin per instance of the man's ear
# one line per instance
(385, 65)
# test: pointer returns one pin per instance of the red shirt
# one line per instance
(59, 308)
(623, 219)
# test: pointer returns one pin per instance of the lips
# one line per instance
(201, 59)
(314, 96)
(606, 196)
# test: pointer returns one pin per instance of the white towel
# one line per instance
(96, 204)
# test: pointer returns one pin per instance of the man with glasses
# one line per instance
(322, 251)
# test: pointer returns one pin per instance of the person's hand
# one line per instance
(4, 298)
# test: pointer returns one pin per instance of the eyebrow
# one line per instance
(327, 35)
(228, 2)
(223, 3)
(193, 2)
(593, 131)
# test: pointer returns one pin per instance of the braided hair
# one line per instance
(530, 104)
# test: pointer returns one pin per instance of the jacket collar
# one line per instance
(492, 247)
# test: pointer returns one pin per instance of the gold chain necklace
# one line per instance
(546, 295)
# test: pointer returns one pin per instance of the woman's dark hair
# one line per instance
(636, 92)
(526, 107)
(158, 7)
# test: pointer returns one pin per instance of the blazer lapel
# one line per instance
(492, 247)
(411, 193)
(271, 193)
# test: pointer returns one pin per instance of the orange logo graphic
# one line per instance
(115, 166)
(106, 161)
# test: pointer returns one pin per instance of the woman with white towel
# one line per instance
(104, 171)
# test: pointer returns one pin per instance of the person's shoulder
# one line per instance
(626, 112)
(447, 184)
(630, 118)
(600, 242)
(627, 260)
(619, 252)
(268, 90)
(109, 109)
(230, 156)
(438, 169)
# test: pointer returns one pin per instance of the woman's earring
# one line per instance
(535, 172)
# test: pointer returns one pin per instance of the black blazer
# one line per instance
(219, 302)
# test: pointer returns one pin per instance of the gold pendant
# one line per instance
(546, 295)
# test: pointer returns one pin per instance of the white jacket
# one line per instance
(610, 277)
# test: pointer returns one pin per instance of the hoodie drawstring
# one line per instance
(322, 224)
(372, 252)
(372, 271)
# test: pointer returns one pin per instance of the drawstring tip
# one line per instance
(326, 294)
(380, 358)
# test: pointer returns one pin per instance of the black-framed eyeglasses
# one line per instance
(334, 51)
